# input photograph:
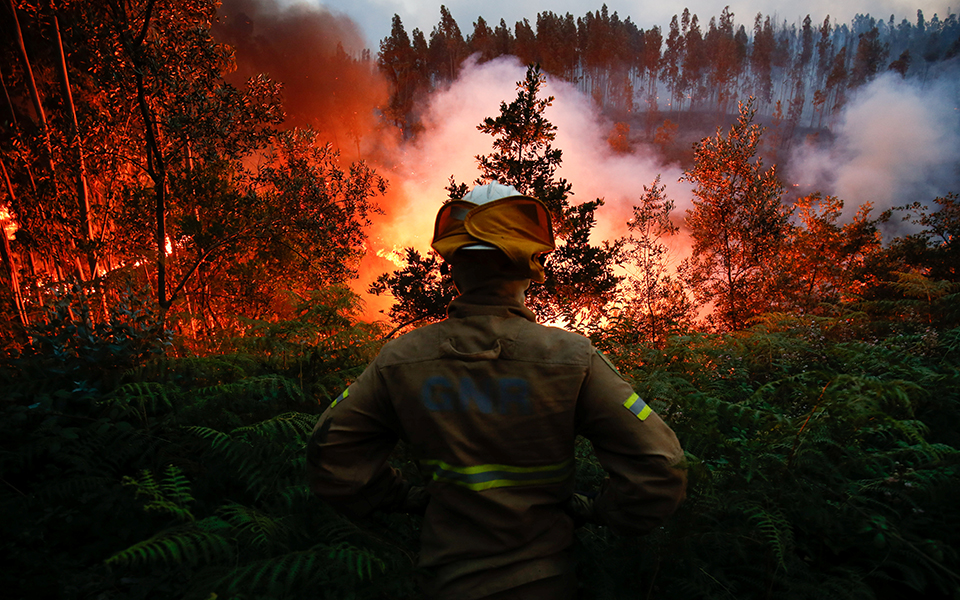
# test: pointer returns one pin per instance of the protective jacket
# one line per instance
(490, 403)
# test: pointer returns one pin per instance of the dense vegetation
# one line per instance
(175, 318)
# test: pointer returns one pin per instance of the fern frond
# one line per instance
(171, 495)
(276, 576)
(142, 396)
(181, 545)
(360, 562)
(282, 428)
(775, 527)
(256, 526)
(73, 487)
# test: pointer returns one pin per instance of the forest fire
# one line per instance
(417, 132)
(216, 216)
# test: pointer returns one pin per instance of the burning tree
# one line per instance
(658, 301)
(737, 224)
(173, 200)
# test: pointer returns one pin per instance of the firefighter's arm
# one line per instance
(347, 452)
(640, 453)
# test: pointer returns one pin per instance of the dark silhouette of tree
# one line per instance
(481, 41)
(901, 65)
(761, 59)
(694, 64)
(671, 60)
(650, 62)
(871, 53)
(837, 81)
(557, 44)
(725, 59)
(447, 47)
(525, 45)
(523, 155)
(421, 289)
(398, 63)
(503, 37)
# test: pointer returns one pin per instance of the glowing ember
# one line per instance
(8, 224)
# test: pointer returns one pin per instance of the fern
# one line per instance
(775, 527)
(199, 543)
(287, 426)
(254, 526)
(360, 562)
(171, 495)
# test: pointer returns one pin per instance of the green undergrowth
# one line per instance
(823, 463)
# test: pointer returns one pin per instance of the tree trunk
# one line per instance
(83, 197)
(34, 93)
(7, 257)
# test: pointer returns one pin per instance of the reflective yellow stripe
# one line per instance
(485, 477)
(637, 406)
(342, 396)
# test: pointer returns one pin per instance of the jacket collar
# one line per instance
(502, 298)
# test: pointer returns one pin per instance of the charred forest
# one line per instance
(211, 218)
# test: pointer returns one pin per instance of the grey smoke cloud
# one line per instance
(896, 142)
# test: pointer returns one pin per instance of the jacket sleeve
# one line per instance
(643, 459)
(347, 452)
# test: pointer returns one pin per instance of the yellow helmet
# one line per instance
(496, 217)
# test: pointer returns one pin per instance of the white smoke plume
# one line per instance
(450, 142)
(896, 142)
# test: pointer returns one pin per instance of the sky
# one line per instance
(374, 16)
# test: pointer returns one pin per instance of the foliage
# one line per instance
(821, 466)
(737, 224)
(422, 289)
(657, 303)
(195, 191)
(183, 477)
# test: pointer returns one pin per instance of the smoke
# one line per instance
(450, 143)
(896, 142)
(316, 55)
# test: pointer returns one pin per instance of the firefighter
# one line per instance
(490, 403)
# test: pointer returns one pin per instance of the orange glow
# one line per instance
(394, 255)
(9, 225)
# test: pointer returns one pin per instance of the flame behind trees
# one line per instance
(187, 173)
(580, 281)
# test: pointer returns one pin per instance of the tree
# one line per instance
(523, 155)
(737, 224)
(671, 59)
(481, 41)
(579, 276)
(397, 62)
(447, 47)
(167, 141)
(871, 53)
(658, 303)
(823, 261)
(422, 289)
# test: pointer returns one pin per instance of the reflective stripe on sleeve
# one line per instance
(485, 477)
(638, 407)
(342, 396)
